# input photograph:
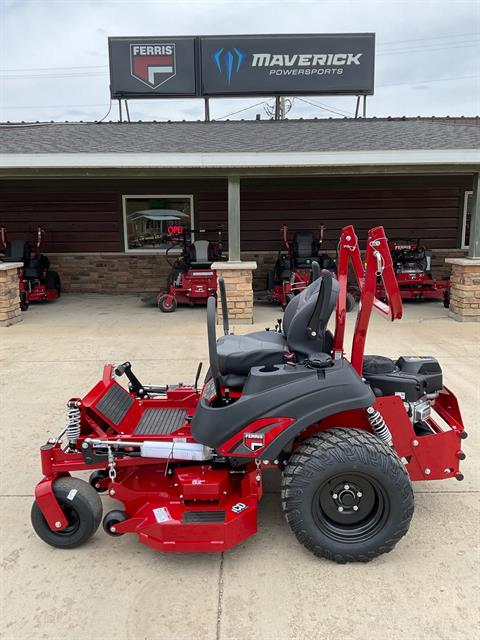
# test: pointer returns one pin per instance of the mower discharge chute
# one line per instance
(412, 264)
(186, 464)
(37, 282)
(191, 280)
(292, 271)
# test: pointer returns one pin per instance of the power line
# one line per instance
(240, 110)
(338, 113)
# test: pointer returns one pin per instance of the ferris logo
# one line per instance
(153, 64)
(254, 441)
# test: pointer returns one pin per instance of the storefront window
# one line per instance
(147, 219)
(467, 213)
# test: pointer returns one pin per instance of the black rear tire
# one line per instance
(53, 282)
(82, 506)
(347, 496)
(165, 307)
(350, 304)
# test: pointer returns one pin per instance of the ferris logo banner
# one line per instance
(152, 63)
(152, 67)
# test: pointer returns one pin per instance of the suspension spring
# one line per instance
(379, 426)
(73, 426)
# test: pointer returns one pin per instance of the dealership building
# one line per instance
(86, 184)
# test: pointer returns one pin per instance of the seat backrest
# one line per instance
(303, 244)
(299, 313)
(18, 250)
(201, 251)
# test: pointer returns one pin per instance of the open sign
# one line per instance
(175, 229)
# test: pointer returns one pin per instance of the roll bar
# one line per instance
(378, 264)
(223, 299)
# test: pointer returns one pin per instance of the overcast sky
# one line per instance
(54, 58)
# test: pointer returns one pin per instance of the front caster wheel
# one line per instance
(111, 519)
(82, 507)
(347, 496)
(166, 305)
(446, 299)
(99, 480)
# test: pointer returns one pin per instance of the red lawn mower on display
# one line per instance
(186, 465)
(292, 272)
(191, 280)
(412, 264)
(37, 282)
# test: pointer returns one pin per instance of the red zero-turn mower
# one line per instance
(186, 465)
(292, 271)
(412, 264)
(37, 282)
(191, 279)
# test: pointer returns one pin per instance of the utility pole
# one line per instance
(280, 108)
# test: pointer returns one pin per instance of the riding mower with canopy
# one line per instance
(412, 264)
(191, 280)
(37, 282)
(292, 271)
(186, 464)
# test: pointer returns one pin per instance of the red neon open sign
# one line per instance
(175, 229)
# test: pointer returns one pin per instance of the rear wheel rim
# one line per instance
(351, 508)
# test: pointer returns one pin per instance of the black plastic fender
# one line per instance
(299, 392)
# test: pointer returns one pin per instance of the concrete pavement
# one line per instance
(268, 588)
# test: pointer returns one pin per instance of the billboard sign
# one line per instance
(152, 67)
(315, 64)
(287, 65)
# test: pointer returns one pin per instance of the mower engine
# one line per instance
(416, 380)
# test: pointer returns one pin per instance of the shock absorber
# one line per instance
(73, 426)
(379, 426)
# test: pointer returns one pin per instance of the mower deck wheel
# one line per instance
(166, 307)
(83, 508)
(347, 496)
(95, 478)
(111, 519)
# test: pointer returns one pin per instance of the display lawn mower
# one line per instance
(349, 435)
(191, 280)
(412, 264)
(292, 271)
(37, 282)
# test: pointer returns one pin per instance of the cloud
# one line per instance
(418, 45)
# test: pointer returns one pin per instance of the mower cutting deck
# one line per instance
(186, 465)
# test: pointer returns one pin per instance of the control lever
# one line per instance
(135, 385)
(197, 375)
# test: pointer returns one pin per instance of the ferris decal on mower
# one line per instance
(186, 464)
(153, 64)
(254, 441)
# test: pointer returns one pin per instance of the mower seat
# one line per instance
(202, 254)
(16, 251)
(238, 354)
(304, 248)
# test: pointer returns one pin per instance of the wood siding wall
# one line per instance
(86, 215)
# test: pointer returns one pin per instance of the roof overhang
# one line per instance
(241, 161)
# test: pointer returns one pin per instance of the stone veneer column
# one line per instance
(10, 312)
(465, 290)
(238, 283)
